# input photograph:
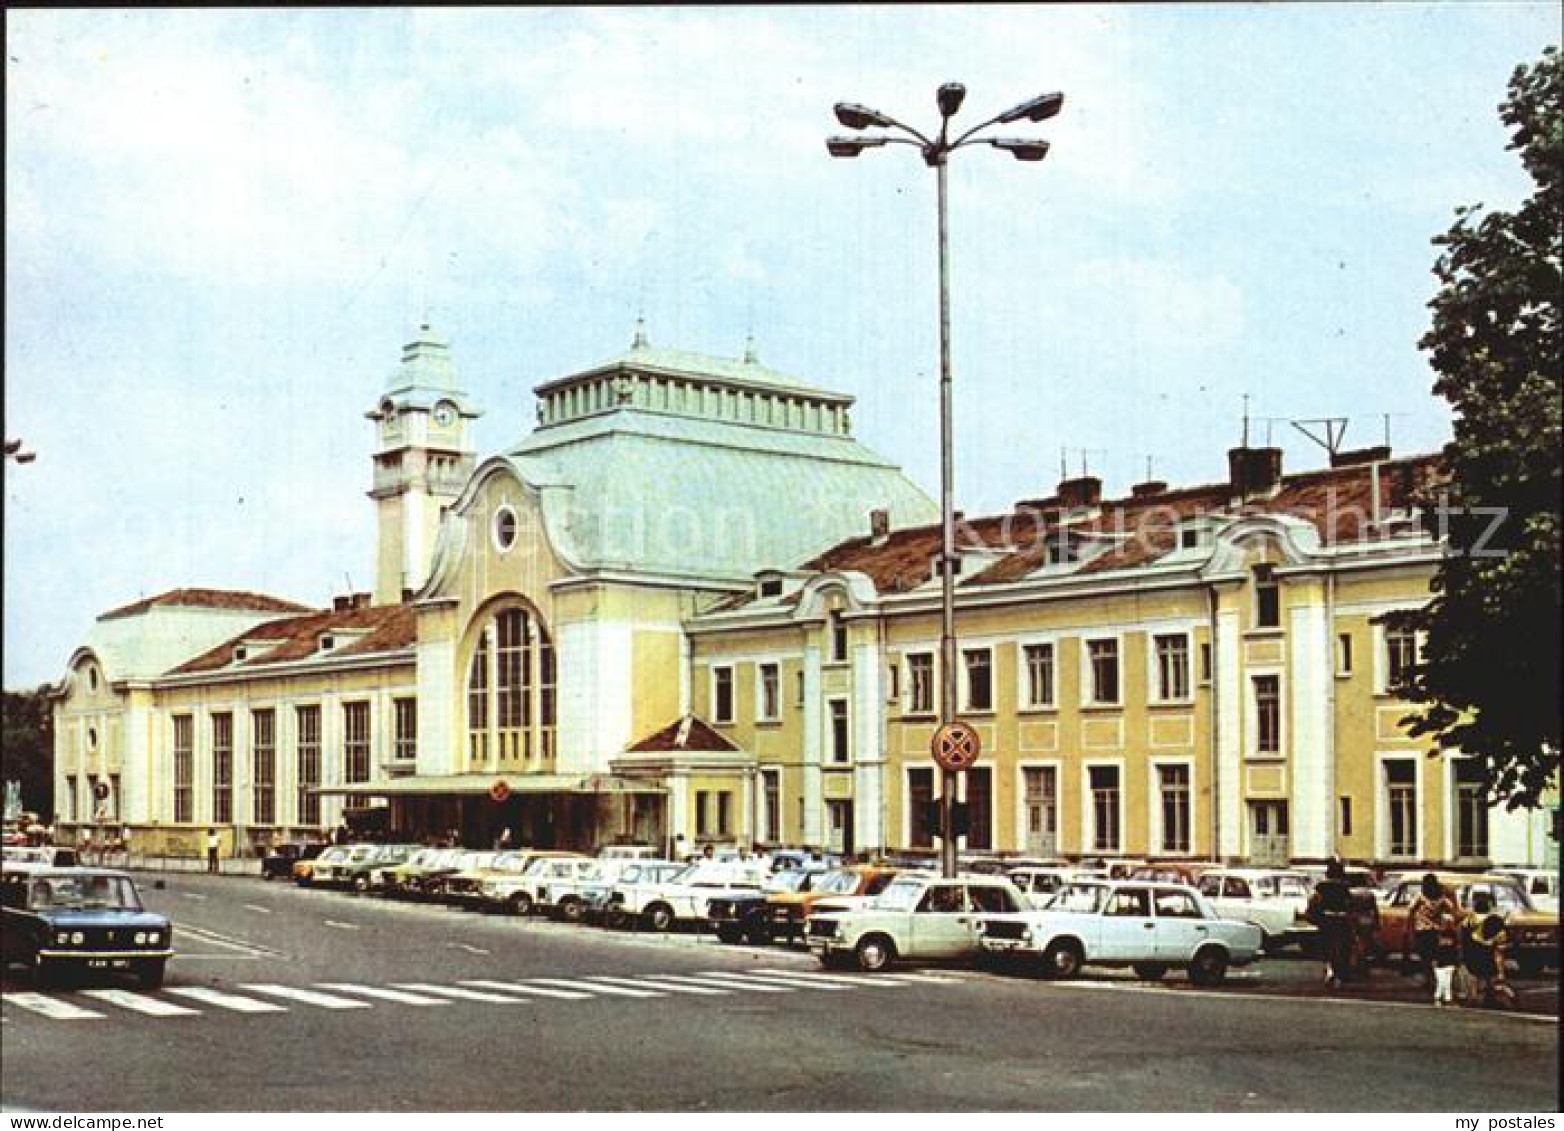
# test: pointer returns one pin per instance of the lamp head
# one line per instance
(856, 116)
(1038, 109)
(1022, 148)
(851, 146)
(950, 97)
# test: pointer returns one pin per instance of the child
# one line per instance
(1484, 941)
(1447, 955)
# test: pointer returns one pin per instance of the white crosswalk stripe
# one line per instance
(53, 1008)
(209, 996)
(141, 1003)
(523, 988)
(727, 982)
(596, 988)
(401, 997)
(673, 987)
(880, 981)
(461, 994)
(785, 979)
(308, 997)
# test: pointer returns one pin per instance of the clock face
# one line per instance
(444, 415)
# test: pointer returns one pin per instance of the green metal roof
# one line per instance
(746, 371)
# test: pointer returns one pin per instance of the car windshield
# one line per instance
(332, 855)
(1080, 898)
(899, 895)
(839, 882)
(84, 892)
(789, 881)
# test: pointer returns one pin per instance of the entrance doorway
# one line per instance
(1042, 810)
(1270, 843)
(839, 827)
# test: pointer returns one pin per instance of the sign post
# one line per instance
(955, 747)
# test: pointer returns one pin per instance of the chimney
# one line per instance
(1254, 471)
(879, 526)
(1085, 491)
(342, 603)
(1149, 489)
(1360, 456)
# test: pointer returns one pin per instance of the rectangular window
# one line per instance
(1401, 804)
(1205, 662)
(841, 740)
(184, 769)
(1471, 810)
(770, 688)
(1344, 654)
(702, 812)
(308, 753)
(1268, 714)
(920, 796)
(980, 808)
(773, 793)
(979, 665)
(405, 745)
(1172, 667)
(1346, 816)
(838, 638)
(1173, 786)
(1104, 782)
(722, 695)
(920, 683)
(263, 766)
(724, 812)
(1267, 598)
(116, 798)
(70, 797)
(355, 742)
(1400, 656)
(223, 768)
(1039, 661)
(893, 683)
(1104, 656)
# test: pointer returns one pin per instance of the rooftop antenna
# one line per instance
(1090, 452)
(1386, 416)
(1335, 427)
(1246, 420)
(1150, 474)
(1064, 470)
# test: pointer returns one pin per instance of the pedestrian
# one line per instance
(1329, 909)
(1483, 943)
(504, 842)
(709, 852)
(1432, 904)
(1447, 956)
(213, 842)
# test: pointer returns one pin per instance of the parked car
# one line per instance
(524, 892)
(461, 885)
(333, 871)
(1186, 872)
(1039, 882)
(47, 855)
(360, 874)
(573, 898)
(1273, 899)
(1151, 927)
(597, 896)
(1541, 885)
(406, 880)
(304, 869)
(684, 896)
(59, 920)
(917, 917)
(840, 889)
(1113, 869)
(1534, 934)
(744, 914)
(279, 859)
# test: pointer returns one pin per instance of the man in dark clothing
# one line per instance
(1330, 910)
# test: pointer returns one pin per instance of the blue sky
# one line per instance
(221, 226)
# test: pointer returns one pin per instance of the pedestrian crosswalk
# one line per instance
(257, 998)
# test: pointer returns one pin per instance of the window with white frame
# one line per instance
(768, 691)
(308, 753)
(841, 737)
(1174, 800)
(1172, 652)
(1471, 809)
(920, 796)
(184, 769)
(1400, 656)
(722, 694)
(1344, 653)
(1400, 807)
(355, 742)
(978, 668)
(1105, 801)
(920, 683)
(1038, 660)
(772, 789)
(71, 795)
(1103, 656)
(511, 688)
(405, 746)
(1267, 714)
(223, 768)
(1267, 598)
(263, 765)
(838, 638)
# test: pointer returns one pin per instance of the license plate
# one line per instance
(108, 963)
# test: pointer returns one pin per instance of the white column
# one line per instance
(1309, 637)
(136, 766)
(814, 802)
(679, 811)
(437, 700)
(1229, 735)
(868, 713)
(594, 694)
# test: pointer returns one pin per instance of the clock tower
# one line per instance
(423, 456)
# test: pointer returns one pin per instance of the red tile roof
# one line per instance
(385, 628)
(699, 736)
(209, 599)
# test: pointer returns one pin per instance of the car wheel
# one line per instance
(361, 884)
(1208, 967)
(874, 953)
(659, 917)
(151, 975)
(1150, 971)
(520, 904)
(1062, 960)
(570, 910)
(730, 934)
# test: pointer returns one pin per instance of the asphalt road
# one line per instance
(331, 1002)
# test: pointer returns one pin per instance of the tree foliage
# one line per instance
(27, 753)
(1488, 681)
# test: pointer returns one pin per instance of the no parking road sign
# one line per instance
(955, 746)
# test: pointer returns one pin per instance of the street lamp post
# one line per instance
(936, 153)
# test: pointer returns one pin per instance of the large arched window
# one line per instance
(510, 690)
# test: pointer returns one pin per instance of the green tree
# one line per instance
(1488, 682)
(27, 753)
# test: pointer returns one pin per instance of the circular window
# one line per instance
(504, 528)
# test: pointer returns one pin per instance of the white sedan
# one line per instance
(1151, 927)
